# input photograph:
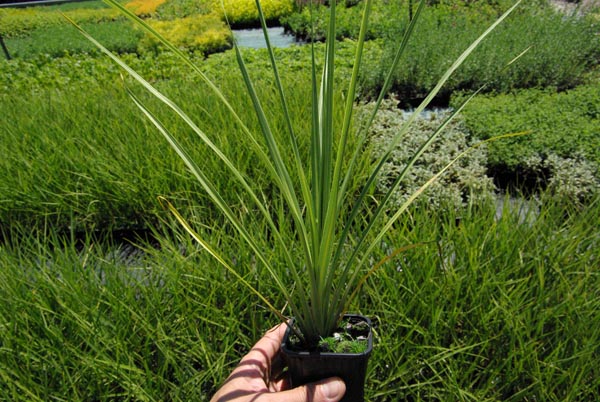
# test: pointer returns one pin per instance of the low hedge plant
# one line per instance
(310, 24)
(20, 22)
(173, 9)
(563, 149)
(61, 40)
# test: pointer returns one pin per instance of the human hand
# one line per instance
(255, 378)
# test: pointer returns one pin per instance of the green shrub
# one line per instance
(568, 179)
(199, 33)
(561, 49)
(301, 22)
(565, 130)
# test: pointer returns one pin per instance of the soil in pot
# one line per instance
(343, 355)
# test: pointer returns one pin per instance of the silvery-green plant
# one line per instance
(465, 182)
(317, 190)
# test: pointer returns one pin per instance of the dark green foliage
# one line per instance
(560, 50)
(60, 40)
(300, 23)
(564, 125)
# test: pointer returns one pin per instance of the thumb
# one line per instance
(328, 390)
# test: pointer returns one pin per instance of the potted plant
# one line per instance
(327, 255)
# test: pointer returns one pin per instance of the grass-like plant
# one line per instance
(510, 314)
(320, 227)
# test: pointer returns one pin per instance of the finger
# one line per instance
(329, 390)
(268, 346)
(257, 363)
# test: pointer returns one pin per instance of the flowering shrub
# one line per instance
(203, 33)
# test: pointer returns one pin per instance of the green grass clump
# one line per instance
(560, 51)
(72, 140)
(506, 311)
(502, 310)
(84, 324)
(67, 171)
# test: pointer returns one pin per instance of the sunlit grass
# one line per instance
(502, 310)
(86, 160)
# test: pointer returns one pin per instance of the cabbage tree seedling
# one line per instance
(316, 189)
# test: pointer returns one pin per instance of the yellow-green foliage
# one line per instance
(204, 33)
(244, 12)
(16, 22)
(144, 7)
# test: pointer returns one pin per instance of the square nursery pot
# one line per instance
(309, 366)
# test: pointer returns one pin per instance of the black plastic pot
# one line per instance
(308, 366)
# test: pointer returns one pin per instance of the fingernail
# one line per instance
(333, 388)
